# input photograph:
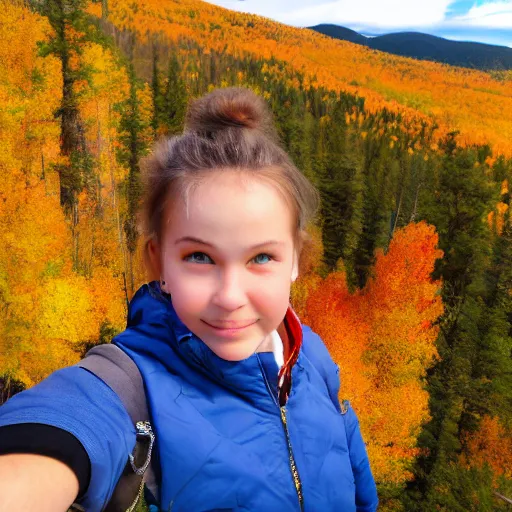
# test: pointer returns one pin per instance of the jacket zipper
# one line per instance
(293, 466)
(137, 498)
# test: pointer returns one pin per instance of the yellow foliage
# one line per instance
(64, 304)
(48, 308)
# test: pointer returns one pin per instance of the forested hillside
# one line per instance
(409, 281)
(422, 92)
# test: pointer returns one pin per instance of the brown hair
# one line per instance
(228, 128)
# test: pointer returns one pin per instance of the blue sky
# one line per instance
(485, 21)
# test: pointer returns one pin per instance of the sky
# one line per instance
(484, 21)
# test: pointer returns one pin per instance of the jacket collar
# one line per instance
(152, 314)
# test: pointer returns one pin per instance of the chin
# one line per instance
(232, 353)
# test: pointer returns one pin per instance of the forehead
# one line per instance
(229, 204)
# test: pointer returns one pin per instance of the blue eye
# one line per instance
(264, 254)
(191, 258)
(193, 254)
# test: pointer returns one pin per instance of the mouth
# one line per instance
(230, 328)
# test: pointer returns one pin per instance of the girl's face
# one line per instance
(229, 263)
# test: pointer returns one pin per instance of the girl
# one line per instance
(242, 396)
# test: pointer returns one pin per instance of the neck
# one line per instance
(266, 345)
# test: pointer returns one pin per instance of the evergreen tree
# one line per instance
(377, 205)
(156, 90)
(461, 197)
(174, 101)
(134, 145)
(71, 31)
(342, 189)
(288, 114)
(492, 369)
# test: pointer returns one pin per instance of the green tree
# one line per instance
(156, 90)
(342, 188)
(456, 200)
(174, 100)
(71, 32)
(133, 145)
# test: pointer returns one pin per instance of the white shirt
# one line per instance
(278, 348)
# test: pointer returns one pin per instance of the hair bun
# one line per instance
(229, 107)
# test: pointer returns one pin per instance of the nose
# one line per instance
(230, 291)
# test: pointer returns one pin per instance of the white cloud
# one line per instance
(389, 13)
(491, 15)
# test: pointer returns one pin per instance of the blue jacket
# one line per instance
(221, 441)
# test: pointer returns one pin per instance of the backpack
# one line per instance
(120, 373)
(116, 368)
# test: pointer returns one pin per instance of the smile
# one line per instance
(226, 331)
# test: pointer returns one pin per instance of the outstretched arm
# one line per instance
(79, 403)
(35, 482)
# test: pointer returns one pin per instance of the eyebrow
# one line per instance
(199, 241)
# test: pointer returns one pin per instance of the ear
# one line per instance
(154, 256)
(295, 267)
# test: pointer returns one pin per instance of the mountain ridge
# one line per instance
(422, 46)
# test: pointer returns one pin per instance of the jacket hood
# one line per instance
(151, 316)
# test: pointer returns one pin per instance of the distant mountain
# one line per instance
(428, 47)
(342, 33)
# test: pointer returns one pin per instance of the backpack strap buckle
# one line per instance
(143, 448)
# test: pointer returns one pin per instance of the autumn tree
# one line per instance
(383, 339)
(47, 309)
(491, 444)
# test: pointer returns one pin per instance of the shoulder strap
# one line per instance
(117, 369)
(114, 367)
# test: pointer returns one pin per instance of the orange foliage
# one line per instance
(456, 98)
(492, 444)
(496, 219)
(402, 302)
(498, 216)
(383, 339)
(336, 316)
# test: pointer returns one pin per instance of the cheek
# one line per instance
(187, 294)
(190, 296)
(272, 298)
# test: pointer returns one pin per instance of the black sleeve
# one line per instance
(54, 442)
